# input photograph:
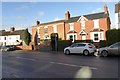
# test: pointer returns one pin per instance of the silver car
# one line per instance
(114, 49)
(84, 48)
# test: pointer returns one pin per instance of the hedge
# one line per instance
(112, 36)
(103, 43)
(86, 41)
(63, 43)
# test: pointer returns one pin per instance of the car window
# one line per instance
(74, 45)
(81, 45)
(114, 45)
(91, 45)
(119, 45)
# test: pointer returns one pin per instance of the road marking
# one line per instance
(72, 65)
(26, 58)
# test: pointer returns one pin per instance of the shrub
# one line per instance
(103, 43)
(86, 41)
(112, 36)
(27, 37)
(63, 43)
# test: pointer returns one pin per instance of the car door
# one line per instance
(73, 48)
(113, 49)
(80, 48)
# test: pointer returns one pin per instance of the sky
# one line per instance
(23, 15)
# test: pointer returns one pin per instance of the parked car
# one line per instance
(83, 48)
(12, 47)
(4, 48)
(7, 48)
(113, 49)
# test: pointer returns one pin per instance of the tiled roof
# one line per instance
(72, 32)
(74, 19)
(16, 32)
(89, 17)
(52, 22)
(96, 30)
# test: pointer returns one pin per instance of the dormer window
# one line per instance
(71, 26)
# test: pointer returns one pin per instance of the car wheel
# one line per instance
(104, 53)
(86, 52)
(67, 52)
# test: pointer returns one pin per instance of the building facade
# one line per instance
(42, 32)
(117, 15)
(88, 27)
(12, 37)
(84, 27)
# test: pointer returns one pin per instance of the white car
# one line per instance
(84, 48)
(111, 50)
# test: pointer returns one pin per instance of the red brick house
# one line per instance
(42, 32)
(84, 27)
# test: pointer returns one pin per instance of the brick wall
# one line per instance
(24, 47)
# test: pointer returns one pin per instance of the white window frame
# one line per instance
(38, 30)
(100, 36)
(96, 23)
(68, 35)
(46, 27)
(71, 26)
(54, 28)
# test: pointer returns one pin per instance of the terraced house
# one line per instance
(12, 37)
(83, 27)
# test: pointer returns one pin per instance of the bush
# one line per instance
(112, 36)
(27, 37)
(63, 43)
(103, 43)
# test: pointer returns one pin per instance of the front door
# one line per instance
(83, 37)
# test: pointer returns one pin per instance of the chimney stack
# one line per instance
(67, 15)
(37, 22)
(105, 9)
(12, 29)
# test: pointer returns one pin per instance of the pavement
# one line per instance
(52, 64)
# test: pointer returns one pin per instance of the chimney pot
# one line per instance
(67, 15)
(12, 29)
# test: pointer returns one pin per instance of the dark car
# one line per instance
(7, 48)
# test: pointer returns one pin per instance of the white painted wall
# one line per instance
(10, 39)
(117, 22)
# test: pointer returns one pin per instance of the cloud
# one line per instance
(20, 18)
(23, 7)
(97, 10)
(56, 19)
(41, 13)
